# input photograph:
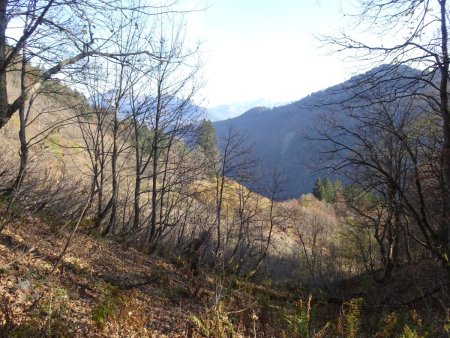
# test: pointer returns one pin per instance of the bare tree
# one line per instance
(418, 32)
(106, 136)
(142, 140)
(240, 237)
(274, 218)
(391, 155)
(171, 117)
(111, 88)
(235, 162)
(60, 35)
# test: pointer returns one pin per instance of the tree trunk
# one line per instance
(4, 118)
(114, 184)
(22, 130)
(155, 149)
(445, 113)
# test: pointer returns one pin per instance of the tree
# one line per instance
(28, 79)
(314, 229)
(242, 230)
(62, 36)
(339, 198)
(141, 107)
(318, 190)
(337, 186)
(207, 143)
(142, 140)
(419, 39)
(171, 117)
(61, 100)
(235, 162)
(375, 148)
(328, 191)
(274, 189)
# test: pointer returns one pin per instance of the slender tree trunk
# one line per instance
(409, 256)
(220, 186)
(269, 238)
(155, 150)
(100, 212)
(114, 184)
(163, 193)
(154, 184)
(4, 118)
(136, 202)
(137, 180)
(22, 130)
(445, 223)
(219, 189)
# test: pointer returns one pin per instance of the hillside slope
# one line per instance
(106, 289)
(101, 289)
(279, 134)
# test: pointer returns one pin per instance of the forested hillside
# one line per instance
(124, 214)
(282, 137)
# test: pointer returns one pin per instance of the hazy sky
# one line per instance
(266, 48)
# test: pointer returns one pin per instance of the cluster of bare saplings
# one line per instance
(114, 144)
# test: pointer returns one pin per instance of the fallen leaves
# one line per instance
(152, 296)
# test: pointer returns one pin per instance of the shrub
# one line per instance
(121, 310)
(215, 323)
(299, 324)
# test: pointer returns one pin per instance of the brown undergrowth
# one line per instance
(101, 289)
(105, 289)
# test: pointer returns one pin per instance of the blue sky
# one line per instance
(266, 49)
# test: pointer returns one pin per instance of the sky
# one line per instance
(266, 49)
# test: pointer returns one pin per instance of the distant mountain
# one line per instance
(190, 109)
(278, 137)
(224, 112)
(279, 133)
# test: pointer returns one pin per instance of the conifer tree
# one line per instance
(338, 191)
(318, 190)
(207, 143)
(328, 191)
(337, 186)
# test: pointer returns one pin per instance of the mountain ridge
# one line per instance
(279, 133)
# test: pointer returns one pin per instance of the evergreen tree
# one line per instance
(328, 191)
(318, 190)
(338, 186)
(338, 191)
(207, 143)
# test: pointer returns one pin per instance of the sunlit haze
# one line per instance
(266, 49)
